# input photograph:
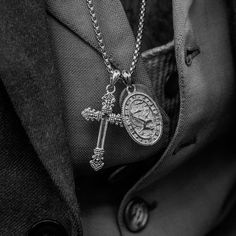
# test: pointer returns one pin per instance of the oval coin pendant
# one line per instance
(142, 118)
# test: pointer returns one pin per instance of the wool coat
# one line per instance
(188, 191)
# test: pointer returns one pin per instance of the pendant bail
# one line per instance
(126, 76)
(115, 76)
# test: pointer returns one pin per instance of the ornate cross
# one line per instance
(105, 116)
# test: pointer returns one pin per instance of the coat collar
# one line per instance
(118, 35)
(28, 74)
(119, 41)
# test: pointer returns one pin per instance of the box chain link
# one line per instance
(100, 39)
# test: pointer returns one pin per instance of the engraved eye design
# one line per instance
(143, 118)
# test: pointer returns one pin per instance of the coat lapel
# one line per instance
(118, 35)
(28, 74)
(112, 20)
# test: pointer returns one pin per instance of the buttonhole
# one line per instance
(185, 144)
(190, 53)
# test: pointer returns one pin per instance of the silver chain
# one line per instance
(101, 44)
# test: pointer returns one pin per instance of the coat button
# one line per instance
(47, 228)
(136, 215)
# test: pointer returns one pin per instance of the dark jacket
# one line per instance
(191, 186)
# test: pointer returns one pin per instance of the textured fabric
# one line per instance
(84, 88)
(194, 197)
(160, 64)
(158, 21)
(189, 201)
(194, 191)
(27, 194)
(28, 75)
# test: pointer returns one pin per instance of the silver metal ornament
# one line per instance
(141, 117)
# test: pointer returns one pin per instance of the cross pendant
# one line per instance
(105, 116)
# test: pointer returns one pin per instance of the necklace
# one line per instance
(140, 115)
